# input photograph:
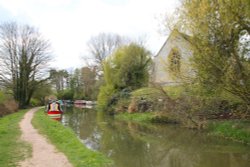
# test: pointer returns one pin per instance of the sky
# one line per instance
(69, 24)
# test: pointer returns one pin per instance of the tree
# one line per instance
(89, 82)
(103, 45)
(220, 31)
(130, 67)
(43, 90)
(77, 84)
(59, 79)
(126, 70)
(24, 56)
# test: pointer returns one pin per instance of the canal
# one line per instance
(132, 145)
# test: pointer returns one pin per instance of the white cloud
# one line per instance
(69, 24)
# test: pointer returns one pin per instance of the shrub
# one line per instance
(35, 102)
(8, 107)
(104, 97)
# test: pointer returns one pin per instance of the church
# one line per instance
(172, 63)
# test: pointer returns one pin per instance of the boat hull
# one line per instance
(56, 115)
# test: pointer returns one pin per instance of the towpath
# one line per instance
(44, 154)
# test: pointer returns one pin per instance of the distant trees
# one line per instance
(79, 84)
(126, 70)
(24, 56)
(89, 82)
(220, 41)
(59, 79)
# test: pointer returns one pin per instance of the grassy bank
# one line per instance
(12, 149)
(236, 130)
(137, 117)
(67, 142)
(146, 117)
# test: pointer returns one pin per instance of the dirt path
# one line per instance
(44, 154)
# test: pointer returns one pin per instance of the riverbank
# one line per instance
(66, 141)
(12, 149)
(236, 130)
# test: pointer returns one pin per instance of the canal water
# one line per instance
(132, 145)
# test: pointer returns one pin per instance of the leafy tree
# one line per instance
(66, 94)
(220, 31)
(131, 67)
(24, 56)
(59, 79)
(42, 91)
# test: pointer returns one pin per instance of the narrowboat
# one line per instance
(54, 110)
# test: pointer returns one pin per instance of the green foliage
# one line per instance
(66, 141)
(145, 100)
(67, 94)
(131, 66)
(104, 96)
(220, 43)
(81, 84)
(12, 149)
(137, 117)
(2, 97)
(58, 78)
(35, 102)
(88, 76)
(236, 130)
(43, 90)
(126, 70)
(146, 92)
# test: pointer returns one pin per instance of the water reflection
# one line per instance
(133, 145)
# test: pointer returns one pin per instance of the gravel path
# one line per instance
(44, 154)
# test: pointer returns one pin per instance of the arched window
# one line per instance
(174, 61)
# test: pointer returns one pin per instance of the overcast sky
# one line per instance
(69, 24)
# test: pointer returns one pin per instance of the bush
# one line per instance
(2, 97)
(66, 94)
(35, 102)
(8, 107)
(146, 100)
(104, 97)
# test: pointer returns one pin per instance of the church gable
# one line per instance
(172, 59)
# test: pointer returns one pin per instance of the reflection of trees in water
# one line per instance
(178, 158)
(133, 145)
(76, 118)
(174, 147)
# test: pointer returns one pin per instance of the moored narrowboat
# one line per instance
(54, 110)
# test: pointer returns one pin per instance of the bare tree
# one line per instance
(103, 45)
(24, 56)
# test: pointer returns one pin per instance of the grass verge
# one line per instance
(67, 142)
(136, 117)
(236, 130)
(12, 149)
